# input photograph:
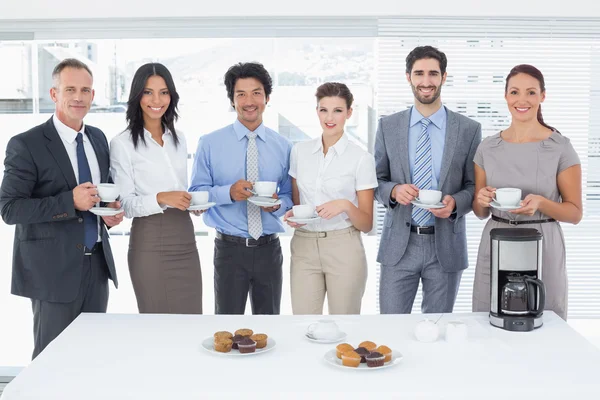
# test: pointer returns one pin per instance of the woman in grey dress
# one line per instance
(149, 164)
(536, 158)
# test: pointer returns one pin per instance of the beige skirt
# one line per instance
(164, 264)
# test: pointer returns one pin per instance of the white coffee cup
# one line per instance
(325, 329)
(199, 198)
(508, 196)
(429, 196)
(107, 192)
(304, 211)
(456, 332)
(265, 188)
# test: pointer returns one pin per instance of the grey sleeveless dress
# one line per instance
(532, 167)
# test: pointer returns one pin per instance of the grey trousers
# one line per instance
(399, 283)
(50, 319)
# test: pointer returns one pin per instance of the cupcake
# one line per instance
(246, 345)
(223, 345)
(342, 348)
(351, 359)
(375, 359)
(236, 339)
(223, 335)
(244, 332)
(362, 352)
(368, 345)
(386, 351)
(260, 339)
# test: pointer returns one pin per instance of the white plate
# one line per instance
(264, 201)
(105, 211)
(427, 206)
(326, 341)
(331, 358)
(201, 207)
(207, 344)
(497, 206)
(304, 220)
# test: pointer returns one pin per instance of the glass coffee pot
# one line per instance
(518, 296)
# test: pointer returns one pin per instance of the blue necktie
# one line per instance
(422, 176)
(90, 221)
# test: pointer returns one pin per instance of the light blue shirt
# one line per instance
(437, 133)
(220, 161)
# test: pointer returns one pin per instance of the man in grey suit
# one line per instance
(61, 255)
(424, 147)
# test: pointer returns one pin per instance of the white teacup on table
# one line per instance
(508, 197)
(199, 198)
(456, 332)
(304, 211)
(324, 329)
(108, 192)
(427, 196)
(265, 188)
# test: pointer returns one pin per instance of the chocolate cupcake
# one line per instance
(375, 359)
(362, 352)
(236, 339)
(247, 345)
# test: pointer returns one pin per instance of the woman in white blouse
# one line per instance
(337, 178)
(149, 164)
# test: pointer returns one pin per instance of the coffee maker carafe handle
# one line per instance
(531, 286)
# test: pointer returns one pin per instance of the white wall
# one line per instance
(69, 9)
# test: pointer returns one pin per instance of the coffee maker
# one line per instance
(517, 292)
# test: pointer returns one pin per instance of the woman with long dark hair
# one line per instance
(149, 164)
(536, 158)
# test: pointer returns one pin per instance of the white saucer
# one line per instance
(201, 207)
(264, 201)
(340, 338)
(497, 206)
(331, 358)
(105, 211)
(417, 203)
(208, 345)
(304, 220)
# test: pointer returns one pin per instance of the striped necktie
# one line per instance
(422, 176)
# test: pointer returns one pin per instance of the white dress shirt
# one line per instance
(144, 172)
(68, 136)
(345, 170)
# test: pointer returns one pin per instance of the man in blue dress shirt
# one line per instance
(248, 257)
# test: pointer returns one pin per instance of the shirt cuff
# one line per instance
(222, 195)
(151, 204)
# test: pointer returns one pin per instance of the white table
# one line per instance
(119, 356)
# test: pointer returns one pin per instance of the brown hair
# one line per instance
(534, 73)
(335, 89)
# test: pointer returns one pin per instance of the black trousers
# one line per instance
(50, 319)
(240, 270)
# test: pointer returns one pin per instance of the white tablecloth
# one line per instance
(104, 356)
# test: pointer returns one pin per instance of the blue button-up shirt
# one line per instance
(437, 133)
(220, 161)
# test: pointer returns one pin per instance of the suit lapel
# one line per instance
(403, 126)
(102, 158)
(449, 145)
(58, 151)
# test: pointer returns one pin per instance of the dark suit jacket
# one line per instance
(37, 196)
(457, 179)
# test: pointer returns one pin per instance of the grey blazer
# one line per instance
(463, 135)
(37, 196)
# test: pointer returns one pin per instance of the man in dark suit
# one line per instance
(425, 147)
(61, 256)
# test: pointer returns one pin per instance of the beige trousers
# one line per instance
(331, 262)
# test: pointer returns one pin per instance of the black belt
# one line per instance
(512, 222)
(96, 249)
(423, 230)
(248, 242)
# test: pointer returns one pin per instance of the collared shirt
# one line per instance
(68, 136)
(343, 171)
(220, 161)
(144, 172)
(437, 133)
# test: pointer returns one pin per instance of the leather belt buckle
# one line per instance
(513, 222)
(248, 244)
(419, 230)
(321, 235)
